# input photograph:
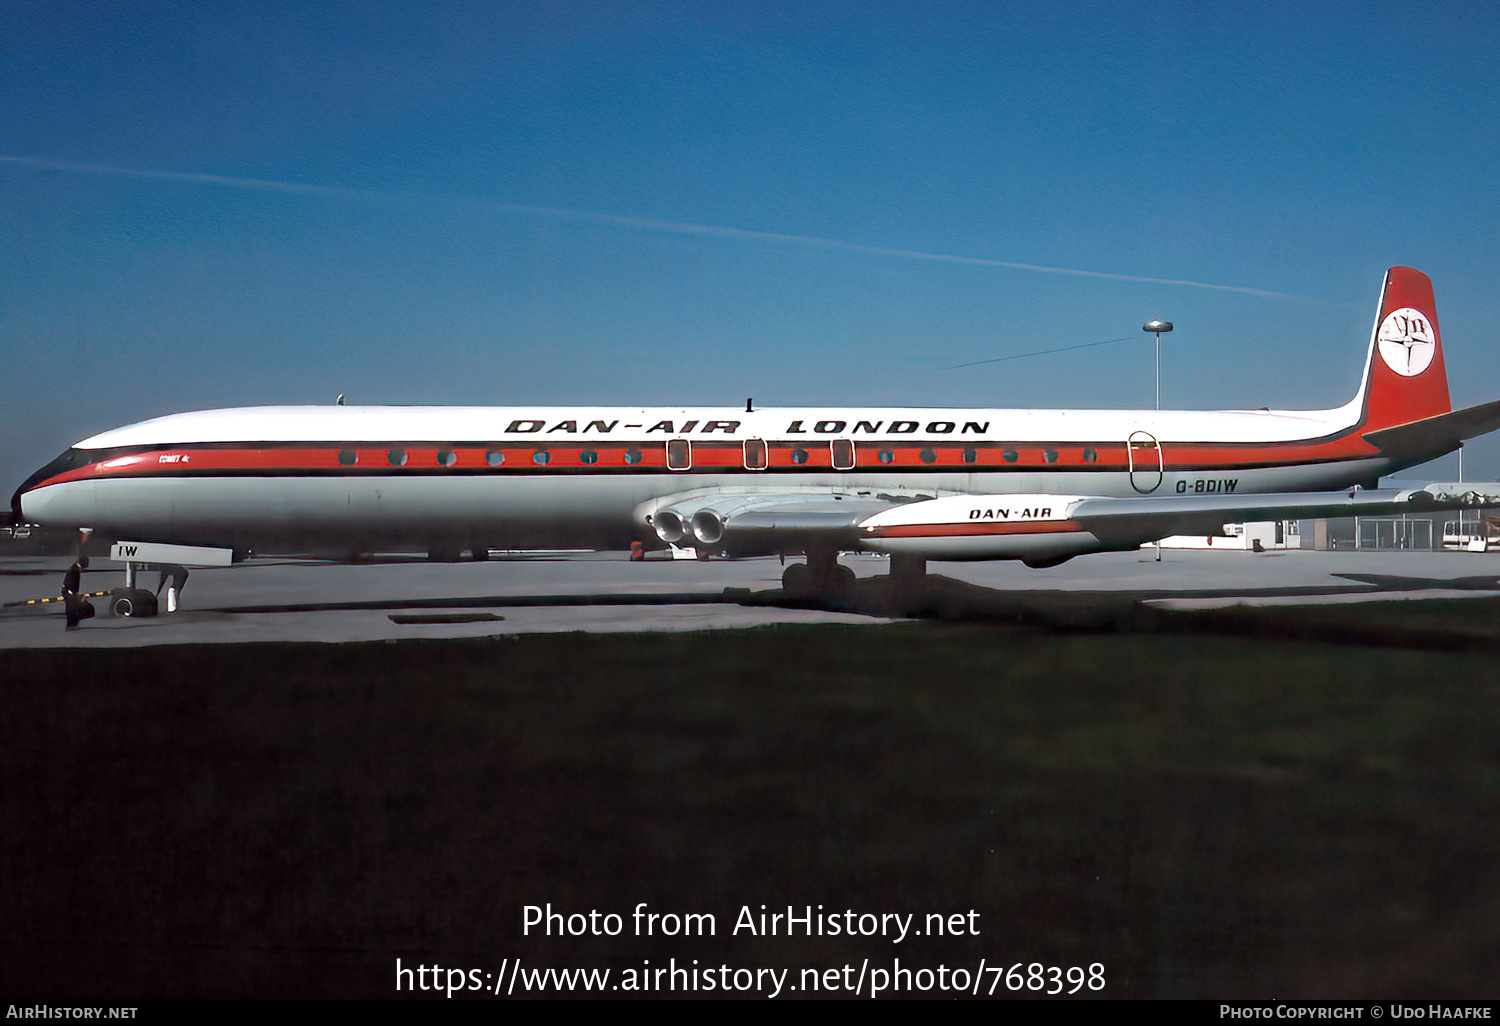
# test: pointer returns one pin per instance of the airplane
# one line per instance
(1041, 486)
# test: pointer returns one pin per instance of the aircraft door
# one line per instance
(754, 450)
(842, 451)
(1144, 453)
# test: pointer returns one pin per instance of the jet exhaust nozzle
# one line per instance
(669, 526)
(707, 527)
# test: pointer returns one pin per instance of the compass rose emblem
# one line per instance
(1406, 341)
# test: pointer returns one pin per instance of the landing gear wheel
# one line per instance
(132, 602)
(796, 580)
(841, 581)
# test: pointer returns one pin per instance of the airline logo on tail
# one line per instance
(1408, 382)
(1406, 342)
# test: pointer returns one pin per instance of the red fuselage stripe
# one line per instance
(974, 530)
(365, 458)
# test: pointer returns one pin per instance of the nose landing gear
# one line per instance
(132, 600)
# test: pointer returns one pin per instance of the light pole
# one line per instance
(1461, 517)
(1157, 328)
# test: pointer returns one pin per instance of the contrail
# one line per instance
(1041, 352)
(618, 220)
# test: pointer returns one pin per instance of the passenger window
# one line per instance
(494, 457)
(886, 456)
(588, 456)
(1050, 455)
(541, 457)
(396, 458)
(1010, 456)
(632, 456)
(970, 455)
(348, 457)
(799, 455)
(447, 457)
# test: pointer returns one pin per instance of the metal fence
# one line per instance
(1393, 533)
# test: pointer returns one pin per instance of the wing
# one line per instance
(1046, 529)
(1436, 435)
(1041, 529)
(1131, 522)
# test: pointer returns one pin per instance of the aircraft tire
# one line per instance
(133, 602)
(796, 580)
(842, 581)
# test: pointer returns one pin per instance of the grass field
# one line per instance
(1208, 810)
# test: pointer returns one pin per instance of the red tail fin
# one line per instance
(1405, 379)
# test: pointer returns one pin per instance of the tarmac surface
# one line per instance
(304, 600)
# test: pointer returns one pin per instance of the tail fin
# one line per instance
(1405, 379)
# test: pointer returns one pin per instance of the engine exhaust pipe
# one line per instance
(707, 527)
(669, 526)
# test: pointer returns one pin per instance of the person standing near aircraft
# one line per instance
(75, 608)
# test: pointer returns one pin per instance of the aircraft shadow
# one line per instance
(935, 597)
(944, 598)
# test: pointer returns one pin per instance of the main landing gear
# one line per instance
(908, 573)
(823, 577)
(820, 577)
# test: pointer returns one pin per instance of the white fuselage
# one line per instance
(336, 478)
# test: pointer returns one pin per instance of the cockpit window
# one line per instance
(70, 460)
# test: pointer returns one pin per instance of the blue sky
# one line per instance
(691, 203)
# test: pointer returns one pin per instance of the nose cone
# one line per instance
(19, 506)
(16, 517)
